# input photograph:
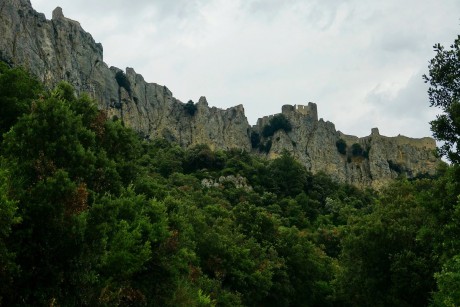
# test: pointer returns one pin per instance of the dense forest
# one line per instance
(93, 215)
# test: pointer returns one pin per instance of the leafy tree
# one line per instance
(51, 137)
(17, 91)
(166, 160)
(90, 214)
(386, 257)
(448, 281)
(307, 272)
(444, 93)
(8, 218)
(82, 106)
(256, 222)
(288, 176)
(202, 157)
(119, 146)
(124, 238)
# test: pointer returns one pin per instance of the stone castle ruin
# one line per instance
(308, 110)
(314, 143)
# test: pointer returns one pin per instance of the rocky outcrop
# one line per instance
(237, 182)
(369, 161)
(59, 49)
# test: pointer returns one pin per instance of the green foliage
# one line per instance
(308, 269)
(190, 108)
(290, 177)
(341, 146)
(255, 139)
(277, 122)
(202, 157)
(448, 281)
(123, 81)
(92, 215)
(17, 91)
(386, 258)
(444, 93)
(51, 137)
(8, 218)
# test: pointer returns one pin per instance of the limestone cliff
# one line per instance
(375, 161)
(59, 49)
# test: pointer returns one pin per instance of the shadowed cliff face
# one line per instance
(59, 49)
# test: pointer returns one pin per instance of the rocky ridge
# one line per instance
(59, 49)
(315, 143)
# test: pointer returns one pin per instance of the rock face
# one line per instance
(235, 181)
(59, 49)
(369, 161)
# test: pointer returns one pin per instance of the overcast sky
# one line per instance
(361, 61)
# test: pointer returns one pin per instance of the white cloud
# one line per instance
(360, 61)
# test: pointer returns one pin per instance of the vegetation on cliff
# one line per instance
(91, 214)
(277, 122)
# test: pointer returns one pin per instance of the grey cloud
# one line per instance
(397, 40)
(409, 100)
(408, 106)
(314, 13)
(267, 6)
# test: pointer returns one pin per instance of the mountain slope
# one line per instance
(59, 49)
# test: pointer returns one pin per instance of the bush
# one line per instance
(276, 123)
(255, 139)
(341, 146)
(17, 91)
(190, 108)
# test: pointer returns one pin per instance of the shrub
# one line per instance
(341, 146)
(190, 108)
(255, 139)
(276, 123)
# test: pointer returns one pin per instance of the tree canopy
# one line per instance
(444, 93)
(91, 214)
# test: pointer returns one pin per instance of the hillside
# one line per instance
(59, 49)
(95, 213)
